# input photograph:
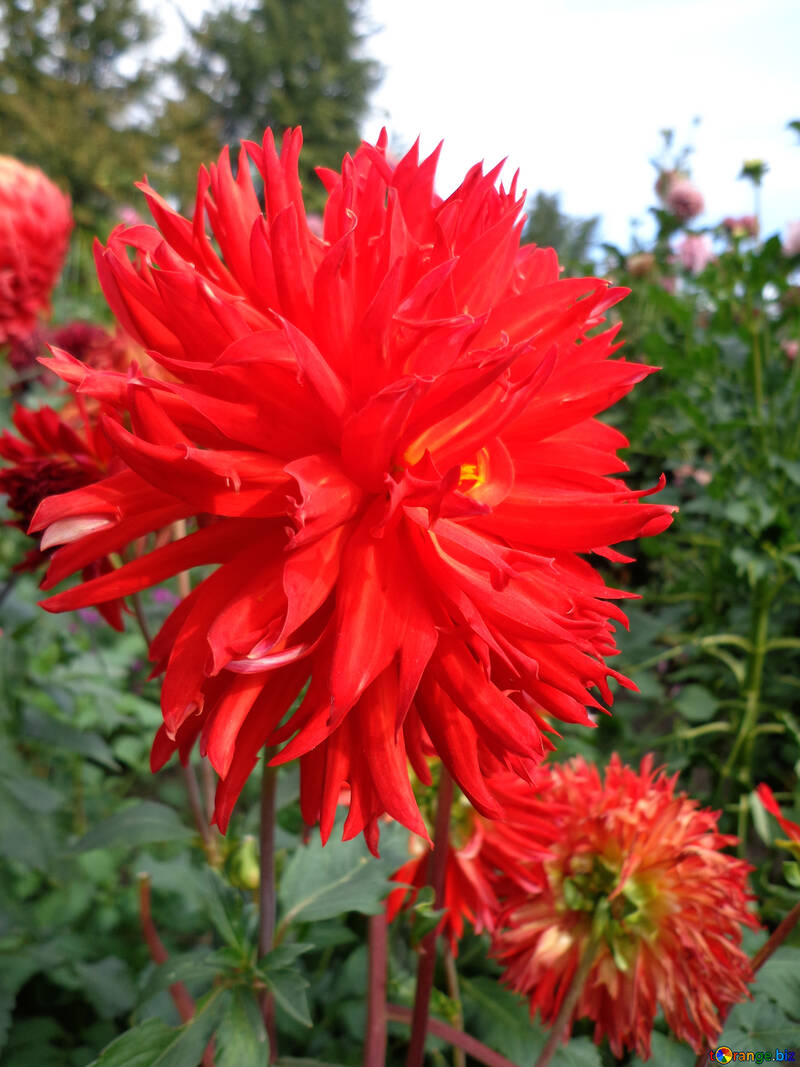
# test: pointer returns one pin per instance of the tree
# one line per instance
(275, 63)
(76, 96)
(572, 238)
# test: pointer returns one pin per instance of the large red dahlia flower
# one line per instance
(35, 224)
(388, 437)
(637, 875)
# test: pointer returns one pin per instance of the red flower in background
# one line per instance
(388, 437)
(35, 224)
(49, 456)
(642, 869)
(791, 829)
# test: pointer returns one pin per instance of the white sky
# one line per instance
(575, 92)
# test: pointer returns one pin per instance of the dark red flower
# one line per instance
(51, 456)
(637, 874)
(35, 224)
(388, 436)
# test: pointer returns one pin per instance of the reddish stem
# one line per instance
(458, 1038)
(427, 951)
(375, 1034)
(158, 953)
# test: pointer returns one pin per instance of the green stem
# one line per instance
(266, 918)
(560, 1027)
(759, 627)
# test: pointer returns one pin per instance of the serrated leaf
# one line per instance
(322, 882)
(779, 979)
(289, 989)
(501, 1019)
(241, 1037)
(758, 1023)
(140, 824)
(138, 1047)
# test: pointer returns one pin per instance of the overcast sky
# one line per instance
(574, 93)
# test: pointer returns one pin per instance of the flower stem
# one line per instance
(560, 1027)
(457, 1038)
(181, 997)
(375, 1034)
(427, 950)
(453, 991)
(759, 626)
(200, 821)
(266, 921)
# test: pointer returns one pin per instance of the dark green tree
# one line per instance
(275, 63)
(76, 96)
(572, 238)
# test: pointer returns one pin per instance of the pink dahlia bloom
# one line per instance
(35, 224)
(683, 199)
(791, 242)
(386, 441)
(695, 252)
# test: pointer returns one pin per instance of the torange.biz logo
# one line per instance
(723, 1054)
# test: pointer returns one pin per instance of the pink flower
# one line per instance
(695, 252)
(791, 243)
(683, 199)
(790, 349)
(746, 226)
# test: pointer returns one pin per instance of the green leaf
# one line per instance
(696, 704)
(758, 1023)
(194, 966)
(579, 1052)
(45, 728)
(138, 1047)
(154, 1044)
(108, 986)
(241, 1038)
(779, 979)
(501, 1019)
(289, 988)
(140, 824)
(666, 1052)
(322, 882)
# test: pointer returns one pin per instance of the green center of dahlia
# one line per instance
(621, 917)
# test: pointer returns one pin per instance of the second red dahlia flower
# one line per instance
(35, 224)
(388, 438)
(638, 880)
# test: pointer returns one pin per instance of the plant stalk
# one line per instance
(457, 1038)
(454, 992)
(427, 950)
(266, 892)
(375, 1034)
(560, 1027)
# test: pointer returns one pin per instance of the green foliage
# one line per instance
(77, 91)
(270, 63)
(572, 238)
